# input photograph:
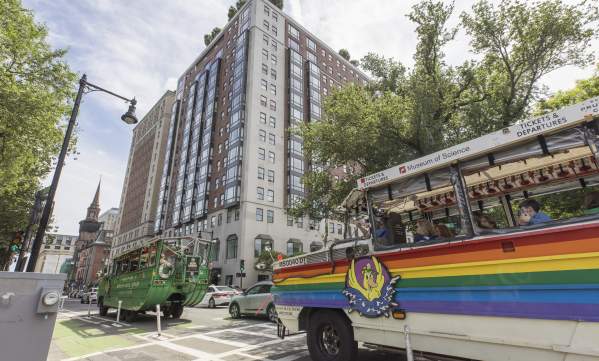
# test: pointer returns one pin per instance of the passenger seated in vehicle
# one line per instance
(442, 231)
(381, 232)
(484, 221)
(530, 213)
(425, 231)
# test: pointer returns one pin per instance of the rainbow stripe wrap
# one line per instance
(544, 274)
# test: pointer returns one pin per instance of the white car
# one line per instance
(255, 301)
(91, 296)
(218, 295)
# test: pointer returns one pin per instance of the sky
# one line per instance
(139, 48)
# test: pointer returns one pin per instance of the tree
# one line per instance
(322, 198)
(234, 9)
(404, 113)
(209, 37)
(584, 89)
(521, 42)
(36, 87)
(344, 54)
(277, 3)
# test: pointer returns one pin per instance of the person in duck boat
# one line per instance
(530, 213)
(425, 231)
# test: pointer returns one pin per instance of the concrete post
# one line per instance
(118, 311)
(158, 319)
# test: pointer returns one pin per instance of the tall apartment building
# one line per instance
(232, 167)
(139, 197)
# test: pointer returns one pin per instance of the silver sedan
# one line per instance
(255, 301)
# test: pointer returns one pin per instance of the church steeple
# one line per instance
(93, 211)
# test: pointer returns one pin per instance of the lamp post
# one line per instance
(129, 118)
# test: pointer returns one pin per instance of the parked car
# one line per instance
(218, 296)
(79, 294)
(256, 301)
(90, 296)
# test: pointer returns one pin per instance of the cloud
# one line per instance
(139, 48)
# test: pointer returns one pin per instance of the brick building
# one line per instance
(232, 167)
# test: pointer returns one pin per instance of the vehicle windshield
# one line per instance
(546, 181)
(224, 288)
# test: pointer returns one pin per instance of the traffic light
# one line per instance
(241, 265)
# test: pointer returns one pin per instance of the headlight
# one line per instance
(50, 298)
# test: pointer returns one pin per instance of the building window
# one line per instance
(213, 220)
(273, 74)
(259, 214)
(232, 247)
(264, 57)
(339, 229)
(261, 173)
(260, 246)
(311, 44)
(275, 17)
(229, 216)
(271, 157)
(236, 214)
(273, 104)
(271, 139)
(273, 59)
(219, 220)
(266, 25)
(270, 216)
(270, 195)
(293, 32)
(263, 100)
(260, 193)
(299, 222)
(262, 135)
(289, 221)
(273, 45)
(325, 91)
(273, 122)
(312, 58)
(271, 176)
(264, 84)
(265, 40)
(215, 250)
(264, 69)
(273, 89)
(274, 30)
(261, 153)
(267, 11)
(294, 247)
(293, 44)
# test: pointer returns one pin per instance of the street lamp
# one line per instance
(129, 118)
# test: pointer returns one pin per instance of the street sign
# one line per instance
(240, 274)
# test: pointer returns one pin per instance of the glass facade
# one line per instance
(236, 120)
(295, 159)
(166, 169)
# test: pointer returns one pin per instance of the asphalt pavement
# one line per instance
(201, 334)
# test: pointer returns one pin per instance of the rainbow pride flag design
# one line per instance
(543, 274)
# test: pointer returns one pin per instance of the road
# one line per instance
(201, 334)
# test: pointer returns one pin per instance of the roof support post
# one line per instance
(459, 188)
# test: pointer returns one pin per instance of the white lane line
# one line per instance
(218, 340)
(82, 357)
(260, 345)
(111, 320)
(254, 333)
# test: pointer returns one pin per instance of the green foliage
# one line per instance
(209, 37)
(520, 42)
(584, 89)
(277, 3)
(266, 258)
(344, 54)
(404, 113)
(234, 9)
(323, 196)
(36, 87)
